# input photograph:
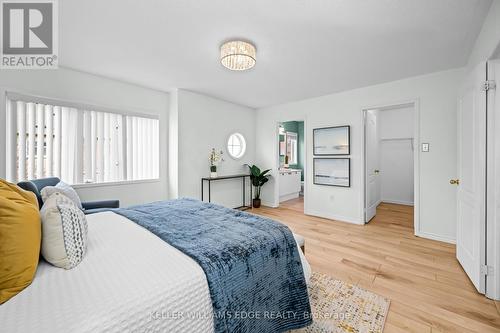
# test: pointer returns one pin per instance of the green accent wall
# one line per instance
(295, 127)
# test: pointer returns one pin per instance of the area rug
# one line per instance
(341, 307)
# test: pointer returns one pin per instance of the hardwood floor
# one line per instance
(428, 289)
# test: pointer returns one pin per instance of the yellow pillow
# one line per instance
(20, 239)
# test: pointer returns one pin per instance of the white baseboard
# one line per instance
(435, 237)
(289, 197)
(268, 204)
(339, 218)
(398, 202)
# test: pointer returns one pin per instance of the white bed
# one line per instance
(130, 280)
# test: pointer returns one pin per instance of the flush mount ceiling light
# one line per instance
(237, 55)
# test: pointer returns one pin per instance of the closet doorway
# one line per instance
(390, 155)
(291, 161)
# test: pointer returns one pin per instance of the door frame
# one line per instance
(277, 162)
(416, 157)
(492, 239)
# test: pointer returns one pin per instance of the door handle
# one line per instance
(376, 171)
(454, 181)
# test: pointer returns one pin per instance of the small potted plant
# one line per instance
(214, 159)
(258, 179)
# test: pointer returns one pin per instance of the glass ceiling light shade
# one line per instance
(237, 55)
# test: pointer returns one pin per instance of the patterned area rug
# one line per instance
(341, 307)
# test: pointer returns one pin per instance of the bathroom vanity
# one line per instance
(289, 183)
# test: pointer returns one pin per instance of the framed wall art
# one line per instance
(332, 171)
(332, 141)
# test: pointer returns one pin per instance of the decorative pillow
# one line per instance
(64, 232)
(20, 237)
(64, 189)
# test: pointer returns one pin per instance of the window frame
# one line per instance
(10, 94)
(243, 146)
(295, 147)
(13, 95)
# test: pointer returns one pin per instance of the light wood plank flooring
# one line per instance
(428, 289)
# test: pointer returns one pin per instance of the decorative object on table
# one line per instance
(332, 140)
(340, 307)
(214, 159)
(258, 180)
(332, 171)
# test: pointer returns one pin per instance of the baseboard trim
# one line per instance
(339, 218)
(268, 204)
(398, 202)
(287, 197)
(435, 237)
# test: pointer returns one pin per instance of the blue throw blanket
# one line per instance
(252, 264)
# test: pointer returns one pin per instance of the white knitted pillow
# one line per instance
(63, 188)
(64, 232)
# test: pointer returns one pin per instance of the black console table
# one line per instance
(243, 177)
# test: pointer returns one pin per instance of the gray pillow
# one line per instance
(64, 189)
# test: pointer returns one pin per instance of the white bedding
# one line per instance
(130, 280)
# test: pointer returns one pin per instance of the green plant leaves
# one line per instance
(258, 178)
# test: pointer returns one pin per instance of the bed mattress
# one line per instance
(130, 280)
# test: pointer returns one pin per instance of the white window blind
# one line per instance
(77, 144)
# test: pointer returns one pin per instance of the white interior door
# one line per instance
(372, 190)
(471, 207)
(493, 189)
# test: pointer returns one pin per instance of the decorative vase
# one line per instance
(256, 203)
(213, 171)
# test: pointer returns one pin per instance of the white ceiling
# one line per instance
(305, 48)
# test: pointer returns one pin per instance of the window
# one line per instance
(78, 144)
(236, 145)
(291, 147)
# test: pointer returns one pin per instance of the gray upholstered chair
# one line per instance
(91, 207)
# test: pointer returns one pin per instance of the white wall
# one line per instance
(74, 86)
(397, 123)
(489, 38)
(396, 156)
(173, 146)
(436, 94)
(204, 123)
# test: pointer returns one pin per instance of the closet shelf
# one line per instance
(396, 139)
